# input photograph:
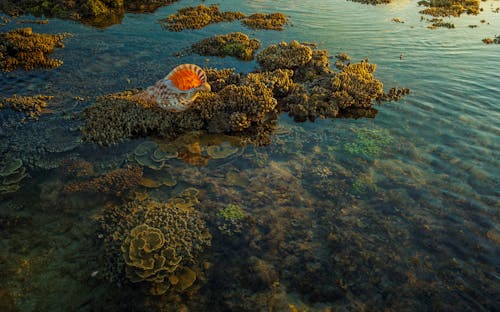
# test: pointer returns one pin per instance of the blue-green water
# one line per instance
(399, 212)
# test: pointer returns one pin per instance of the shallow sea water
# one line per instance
(399, 212)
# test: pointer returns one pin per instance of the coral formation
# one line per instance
(12, 172)
(449, 7)
(294, 77)
(32, 106)
(285, 56)
(235, 44)
(372, 2)
(113, 182)
(495, 40)
(198, 17)
(77, 168)
(272, 21)
(99, 13)
(230, 219)
(24, 48)
(157, 245)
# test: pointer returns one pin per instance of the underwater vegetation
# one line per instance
(156, 245)
(234, 44)
(202, 15)
(32, 106)
(22, 48)
(98, 13)
(369, 143)
(230, 219)
(294, 78)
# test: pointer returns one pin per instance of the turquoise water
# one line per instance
(399, 212)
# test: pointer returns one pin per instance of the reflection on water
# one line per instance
(398, 212)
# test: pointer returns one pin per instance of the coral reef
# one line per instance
(77, 168)
(272, 21)
(12, 172)
(235, 44)
(285, 56)
(99, 13)
(157, 245)
(294, 77)
(24, 48)
(372, 2)
(198, 17)
(449, 7)
(32, 106)
(113, 182)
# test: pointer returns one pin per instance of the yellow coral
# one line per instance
(24, 48)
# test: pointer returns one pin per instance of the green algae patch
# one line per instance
(22, 48)
(234, 44)
(445, 8)
(272, 21)
(293, 77)
(98, 13)
(32, 106)
(198, 17)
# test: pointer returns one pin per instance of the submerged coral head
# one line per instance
(178, 89)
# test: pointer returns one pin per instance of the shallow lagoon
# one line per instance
(398, 212)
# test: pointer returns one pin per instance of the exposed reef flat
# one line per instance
(294, 78)
(449, 7)
(495, 40)
(235, 44)
(22, 48)
(202, 15)
(198, 17)
(273, 21)
(99, 13)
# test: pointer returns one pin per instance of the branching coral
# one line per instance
(24, 48)
(235, 44)
(198, 17)
(31, 105)
(272, 21)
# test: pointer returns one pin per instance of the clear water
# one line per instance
(413, 226)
